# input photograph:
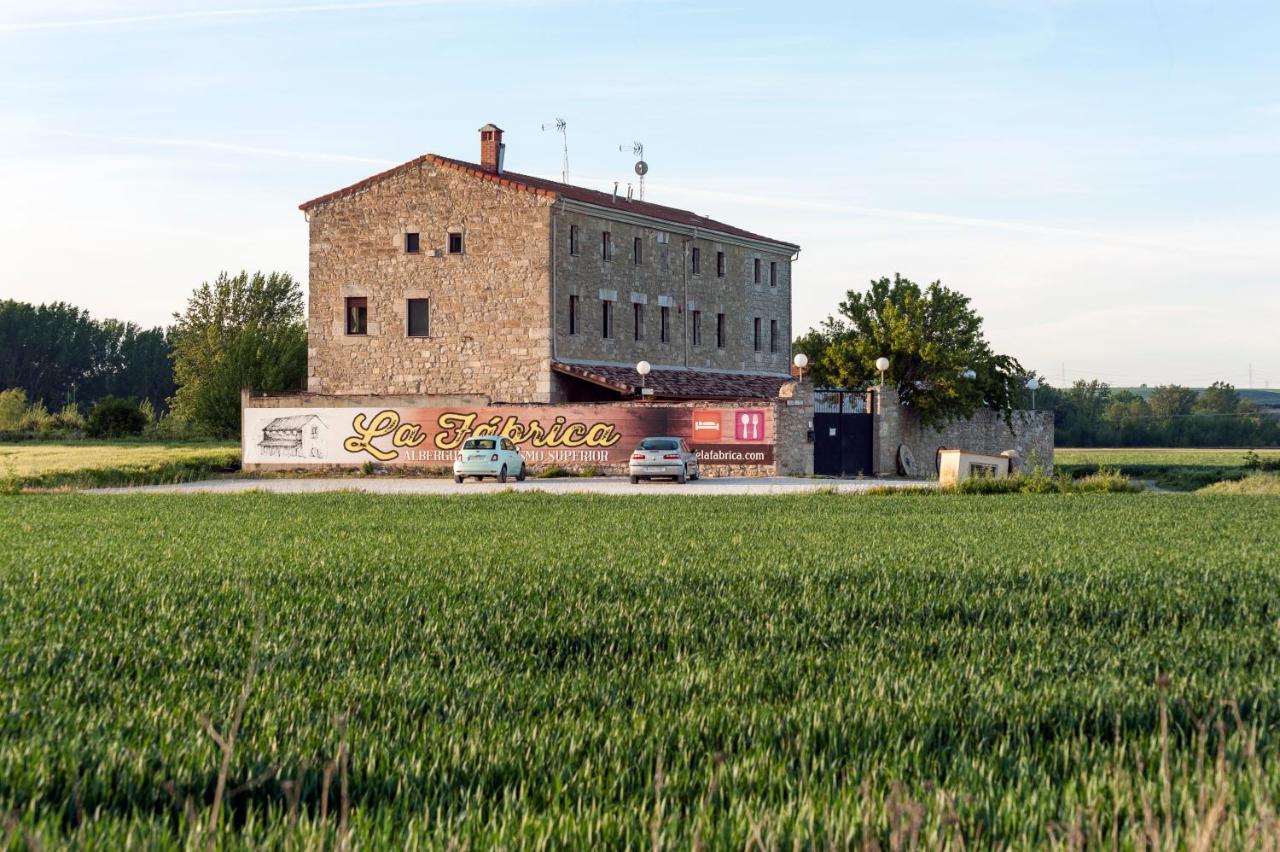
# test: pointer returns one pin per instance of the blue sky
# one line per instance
(1101, 177)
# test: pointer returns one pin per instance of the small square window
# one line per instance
(411, 243)
(357, 315)
(419, 318)
(455, 242)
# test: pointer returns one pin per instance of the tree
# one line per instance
(1171, 401)
(931, 337)
(1218, 398)
(240, 331)
(113, 417)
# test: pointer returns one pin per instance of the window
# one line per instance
(638, 313)
(606, 320)
(696, 261)
(455, 242)
(411, 243)
(664, 333)
(635, 252)
(696, 322)
(357, 315)
(719, 264)
(756, 337)
(573, 239)
(773, 336)
(606, 245)
(755, 271)
(573, 314)
(720, 330)
(773, 273)
(419, 318)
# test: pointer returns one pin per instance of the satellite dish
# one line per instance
(642, 168)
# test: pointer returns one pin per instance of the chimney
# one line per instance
(491, 148)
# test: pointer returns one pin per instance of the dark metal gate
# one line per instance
(841, 433)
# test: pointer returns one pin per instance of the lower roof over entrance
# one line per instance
(668, 383)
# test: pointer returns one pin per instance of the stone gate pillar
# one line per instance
(886, 429)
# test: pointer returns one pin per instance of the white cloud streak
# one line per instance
(231, 148)
(213, 14)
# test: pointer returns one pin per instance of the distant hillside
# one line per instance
(1263, 397)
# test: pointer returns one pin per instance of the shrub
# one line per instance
(36, 419)
(114, 418)
(13, 406)
(553, 471)
(69, 419)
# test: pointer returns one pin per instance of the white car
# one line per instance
(663, 457)
(489, 456)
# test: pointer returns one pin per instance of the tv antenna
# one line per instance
(562, 127)
(642, 168)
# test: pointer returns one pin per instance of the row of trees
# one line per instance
(943, 367)
(245, 330)
(1092, 414)
(58, 354)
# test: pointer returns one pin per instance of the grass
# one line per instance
(1169, 468)
(587, 672)
(82, 464)
(1254, 483)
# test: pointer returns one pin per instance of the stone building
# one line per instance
(443, 277)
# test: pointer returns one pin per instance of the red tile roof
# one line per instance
(554, 189)
(677, 384)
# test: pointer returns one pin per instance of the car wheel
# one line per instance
(457, 478)
(520, 475)
(683, 475)
(502, 474)
(696, 475)
(635, 480)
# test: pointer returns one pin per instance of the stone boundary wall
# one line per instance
(985, 432)
(792, 414)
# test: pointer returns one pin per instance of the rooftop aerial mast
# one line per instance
(642, 168)
(562, 127)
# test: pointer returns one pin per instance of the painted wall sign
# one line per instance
(431, 437)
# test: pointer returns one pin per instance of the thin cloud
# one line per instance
(209, 14)
(230, 148)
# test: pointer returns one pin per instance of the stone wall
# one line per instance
(490, 309)
(985, 432)
(664, 276)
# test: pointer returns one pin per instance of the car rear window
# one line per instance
(659, 444)
(481, 444)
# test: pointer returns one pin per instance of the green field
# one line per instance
(1171, 468)
(528, 670)
(53, 464)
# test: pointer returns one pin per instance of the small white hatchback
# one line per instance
(490, 455)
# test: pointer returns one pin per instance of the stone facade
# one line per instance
(490, 304)
(493, 259)
(664, 277)
(896, 425)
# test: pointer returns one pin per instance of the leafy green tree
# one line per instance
(932, 338)
(13, 406)
(113, 417)
(1218, 398)
(240, 331)
(1171, 401)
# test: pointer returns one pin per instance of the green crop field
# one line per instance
(51, 464)
(1125, 456)
(523, 670)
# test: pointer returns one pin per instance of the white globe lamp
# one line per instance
(643, 368)
(801, 361)
(882, 364)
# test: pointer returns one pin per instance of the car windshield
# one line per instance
(659, 444)
(481, 444)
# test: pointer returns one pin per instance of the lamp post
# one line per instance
(1033, 384)
(882, 364)
(801, 361)
(643, 368)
